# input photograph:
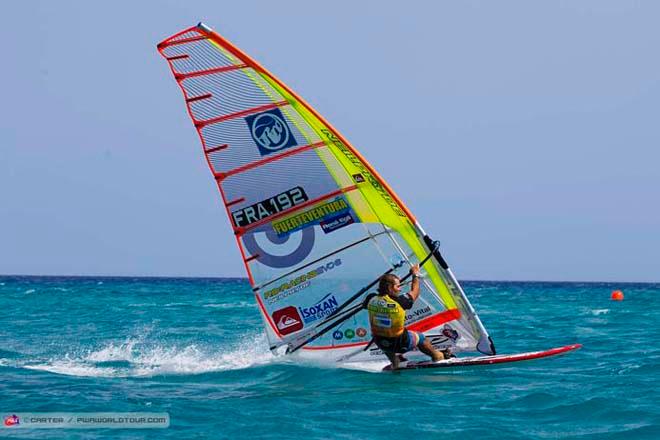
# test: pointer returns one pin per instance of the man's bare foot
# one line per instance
(394, 360)
(447, 353)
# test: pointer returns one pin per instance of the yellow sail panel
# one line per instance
(383, 204)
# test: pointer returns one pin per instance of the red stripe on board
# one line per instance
(233, 202)
(198, 98)
(498, 359)
(182, 76)
(165, 44)
(435, 320)
(291, 152)
(489, 360)
(261, 108)
(242, 230)
(214, 149)
(177, 57)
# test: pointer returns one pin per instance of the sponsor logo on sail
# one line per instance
(417, 314)
(361, 332)
(270, 131)
(338, 206)
(450, 332)
(336, 222)
(286, 293)
(338, 335)
(287, 320)
(299, 283)
(349, 333)
(323, 307)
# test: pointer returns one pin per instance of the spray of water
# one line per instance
(136, 357)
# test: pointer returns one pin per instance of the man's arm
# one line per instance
(414, 290)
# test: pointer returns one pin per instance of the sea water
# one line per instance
(194, 348)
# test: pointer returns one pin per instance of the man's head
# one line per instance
(389, 285)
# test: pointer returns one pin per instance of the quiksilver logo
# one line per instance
(287, 320)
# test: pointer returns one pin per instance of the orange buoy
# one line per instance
(617, 295)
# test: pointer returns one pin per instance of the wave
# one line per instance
(135, 358)
(231, 305)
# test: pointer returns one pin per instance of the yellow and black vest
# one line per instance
(386, 316)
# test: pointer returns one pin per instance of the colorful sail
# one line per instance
(313, 220)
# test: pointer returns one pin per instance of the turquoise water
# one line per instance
(194, 348)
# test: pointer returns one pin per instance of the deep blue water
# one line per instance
(194, 348)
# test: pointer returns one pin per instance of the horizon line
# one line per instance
(246, 279)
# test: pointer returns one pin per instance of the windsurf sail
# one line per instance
(313, 220)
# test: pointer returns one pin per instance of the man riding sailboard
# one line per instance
(387, 314)
(314, 221)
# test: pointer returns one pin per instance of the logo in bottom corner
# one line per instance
(287, 320)
(11, 420)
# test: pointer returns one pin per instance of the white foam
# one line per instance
(194, 360)
(113, 353)
(318, 359)
(72, 367)
(627, 368)
(30, 291)
(368, 366)
(597, 312)
(236, 305)
(148, 360)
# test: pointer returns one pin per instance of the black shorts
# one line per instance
(407, 341)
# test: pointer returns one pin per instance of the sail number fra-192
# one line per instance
(265, 208)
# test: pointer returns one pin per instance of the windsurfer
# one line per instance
(387, 315)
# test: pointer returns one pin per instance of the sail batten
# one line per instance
(313, 220)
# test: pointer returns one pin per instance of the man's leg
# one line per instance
(427, 348)
(394, 359)
(390, 351)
